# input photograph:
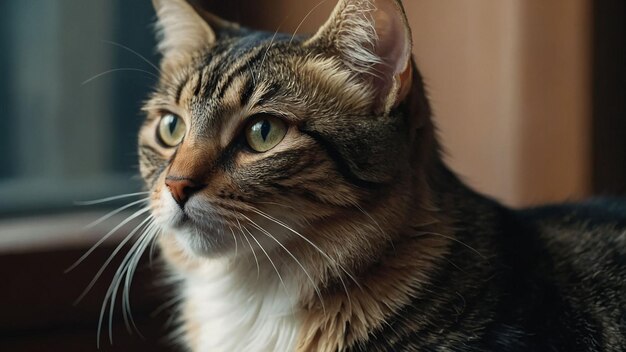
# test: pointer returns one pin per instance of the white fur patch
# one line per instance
(233, 311)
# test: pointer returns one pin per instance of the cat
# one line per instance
(305, 206)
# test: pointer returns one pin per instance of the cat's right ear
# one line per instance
(184, 29)
(373, 38)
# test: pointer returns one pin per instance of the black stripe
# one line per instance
(218, 55)
(247, 91)
(179, 90)
(341, 164)
(269, 93)
(243, 46)
(196, 90)
(220, 91)
(209, 88)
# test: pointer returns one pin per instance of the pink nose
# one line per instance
(182, 188)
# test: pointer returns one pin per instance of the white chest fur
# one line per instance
(226, 310)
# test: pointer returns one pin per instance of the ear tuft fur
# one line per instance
(356, 36)
(181, 30)
(373, 39)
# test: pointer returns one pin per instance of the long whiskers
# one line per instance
(143, 58)
(110, 259)
(105, 237)
(235, 239)
(319, 250)
(127, 268)
(114, 212)
(148, 230)
(128, 69)
(282, 282)
(317, 290)
(109, 199)
(152, 231)
(258, 268)
(270, 45)
(316, 247)
(152, 249)
(133, 52)
(305, 18)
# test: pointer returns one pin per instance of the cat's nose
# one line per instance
(182, 188)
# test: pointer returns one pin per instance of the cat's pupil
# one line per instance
(172, 125)
(265, 129)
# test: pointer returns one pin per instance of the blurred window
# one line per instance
(70, 99)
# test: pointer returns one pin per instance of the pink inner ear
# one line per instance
(393, 46)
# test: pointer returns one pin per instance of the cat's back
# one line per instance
(591, 233)
(584, 242)
(581, 249)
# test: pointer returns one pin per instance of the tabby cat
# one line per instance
(305, 205)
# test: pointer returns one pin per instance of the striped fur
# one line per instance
(352, 234)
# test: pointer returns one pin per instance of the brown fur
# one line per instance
(393, 251)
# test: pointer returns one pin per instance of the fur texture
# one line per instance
(351, 234)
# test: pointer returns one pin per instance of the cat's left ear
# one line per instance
(185, 29)
(373, 38)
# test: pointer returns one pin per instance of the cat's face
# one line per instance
(251, 135)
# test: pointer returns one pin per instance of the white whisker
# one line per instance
(114, 212)
(234, 238)
(271, 43)
(109, 199)
(119, 70)
(153, 246)
(111, 293)
(282, 282)
(305, 18)
(134, 52)
(130, 272)
(105, 237)
(108, 261)
(317, 290)
(269, 217)
(258, 268)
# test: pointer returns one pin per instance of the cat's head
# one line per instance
(258, 134)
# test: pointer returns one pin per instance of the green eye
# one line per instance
(171, 130)
(265, 132)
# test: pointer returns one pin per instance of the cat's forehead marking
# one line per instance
(231, 78)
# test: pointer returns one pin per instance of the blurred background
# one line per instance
(528, 96)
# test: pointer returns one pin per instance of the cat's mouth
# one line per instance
(182, 221)
(198, 215)
(197, 225)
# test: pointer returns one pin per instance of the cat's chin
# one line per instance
(197, 242)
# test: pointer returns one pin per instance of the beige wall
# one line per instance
(509, 85)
